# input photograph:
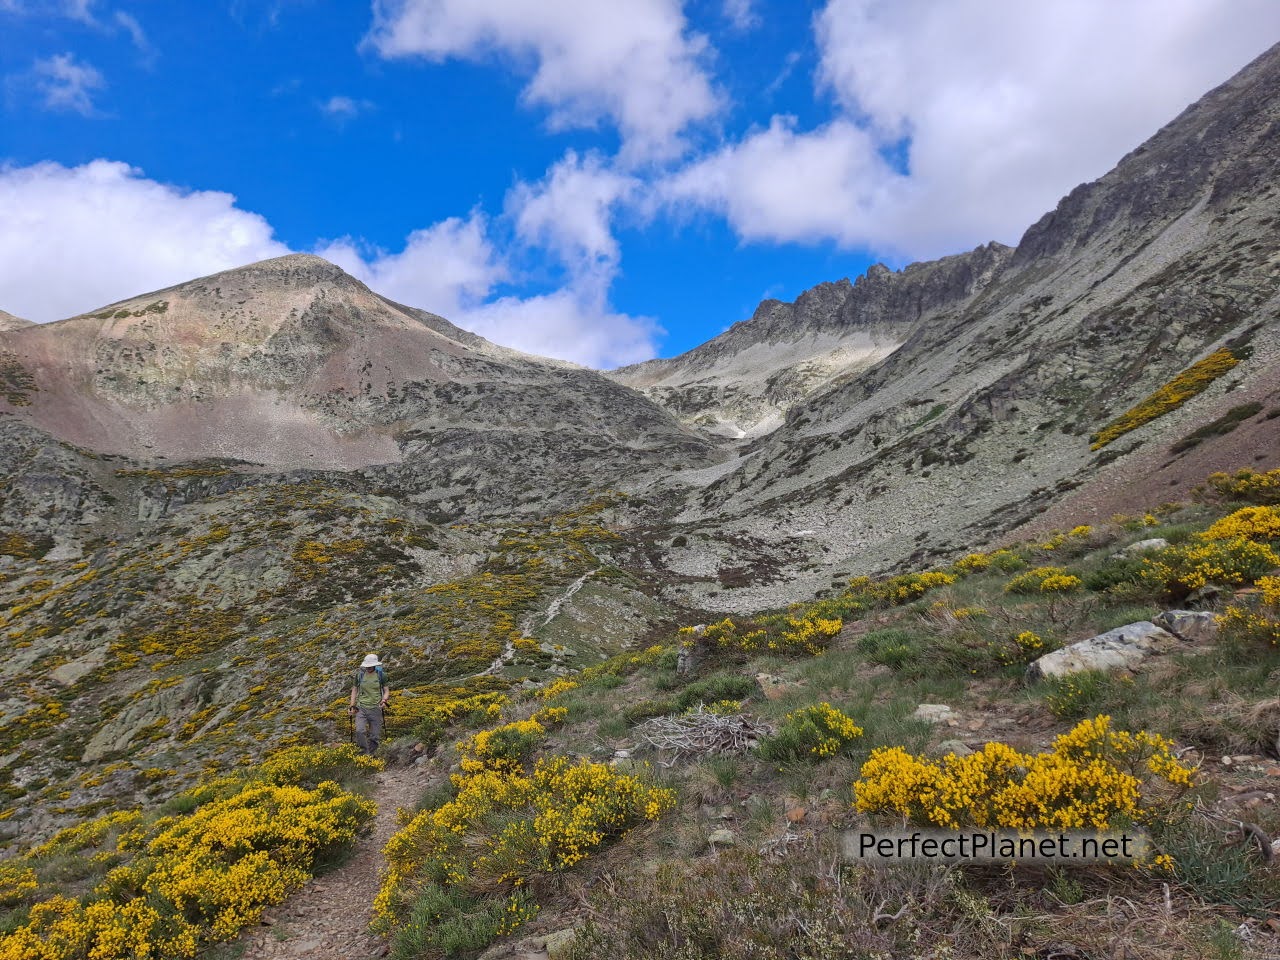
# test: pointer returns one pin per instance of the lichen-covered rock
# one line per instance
(1118, 649)
(1191, 625)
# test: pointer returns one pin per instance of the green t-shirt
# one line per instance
(369, 689)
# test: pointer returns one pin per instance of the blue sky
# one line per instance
(603, 182)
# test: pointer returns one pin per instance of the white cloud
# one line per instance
(453, 269)
(340, 108)
(447, 268)
(569, 323)
(1002, 108)
(75, 238)
(780, 185)
(1009, 105)
(129, 23)
(741, 13)
(570, 212)
(634, 63)
(66, 84)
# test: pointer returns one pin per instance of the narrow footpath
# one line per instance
(328, 919)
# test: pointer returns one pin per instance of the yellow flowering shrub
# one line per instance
(194, 879)
(794, 635)
(557, 688)
(1249, 523)
(1190, 382)
(972, 563)
(17, 882)
(1248, 485)
(1256, 625)
(506, 747)
(1181, 569)
(813, 733)
(1044, 580)
(503, 828)
(1092, 776)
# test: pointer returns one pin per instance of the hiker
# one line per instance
(369, 693)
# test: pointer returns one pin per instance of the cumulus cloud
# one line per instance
(454, 268)
(570, 323)
(782, 185)
(74, 238)
(447, 268)
(963, 122)
(632, 63)
(570, 213)
(66, 84)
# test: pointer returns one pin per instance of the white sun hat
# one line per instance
(371, 661)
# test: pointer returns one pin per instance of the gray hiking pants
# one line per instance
(368, 729)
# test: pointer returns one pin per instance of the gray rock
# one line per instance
(1148, 546)
(934, 713)
(723, 838)
(958, 747)
(68, 674)
(1117, 649)
(1194, 626)
(559, 944)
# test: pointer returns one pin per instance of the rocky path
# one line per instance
(329, 918)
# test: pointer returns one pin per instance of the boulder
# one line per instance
(1191, 625)
(559, 945)
(1148, 546)
(774, 688)
(1118, 649)
(935, 713)
(958, 747)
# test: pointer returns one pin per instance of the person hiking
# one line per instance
(369, 694)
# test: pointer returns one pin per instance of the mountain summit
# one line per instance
(293, 363)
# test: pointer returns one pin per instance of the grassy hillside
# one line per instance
(685, 797)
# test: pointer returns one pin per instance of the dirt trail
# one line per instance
(328, 919)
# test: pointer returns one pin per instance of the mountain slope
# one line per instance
(742, 382)
(9, 322)
(291, 363)
(982, 417)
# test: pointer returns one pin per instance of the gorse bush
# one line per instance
(1044, 580)
(1185, 568)
(1190, 382)
(1259, 624)
(1248, 523)
(187, 881)
(786, 635)
(1094, 775)
(812, 733)
(1247, 485)
(508, 746)
(503, 827)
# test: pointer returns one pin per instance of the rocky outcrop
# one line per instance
(1120, 649)
(1193, 626)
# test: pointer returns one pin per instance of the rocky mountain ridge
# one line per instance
(741, 384)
